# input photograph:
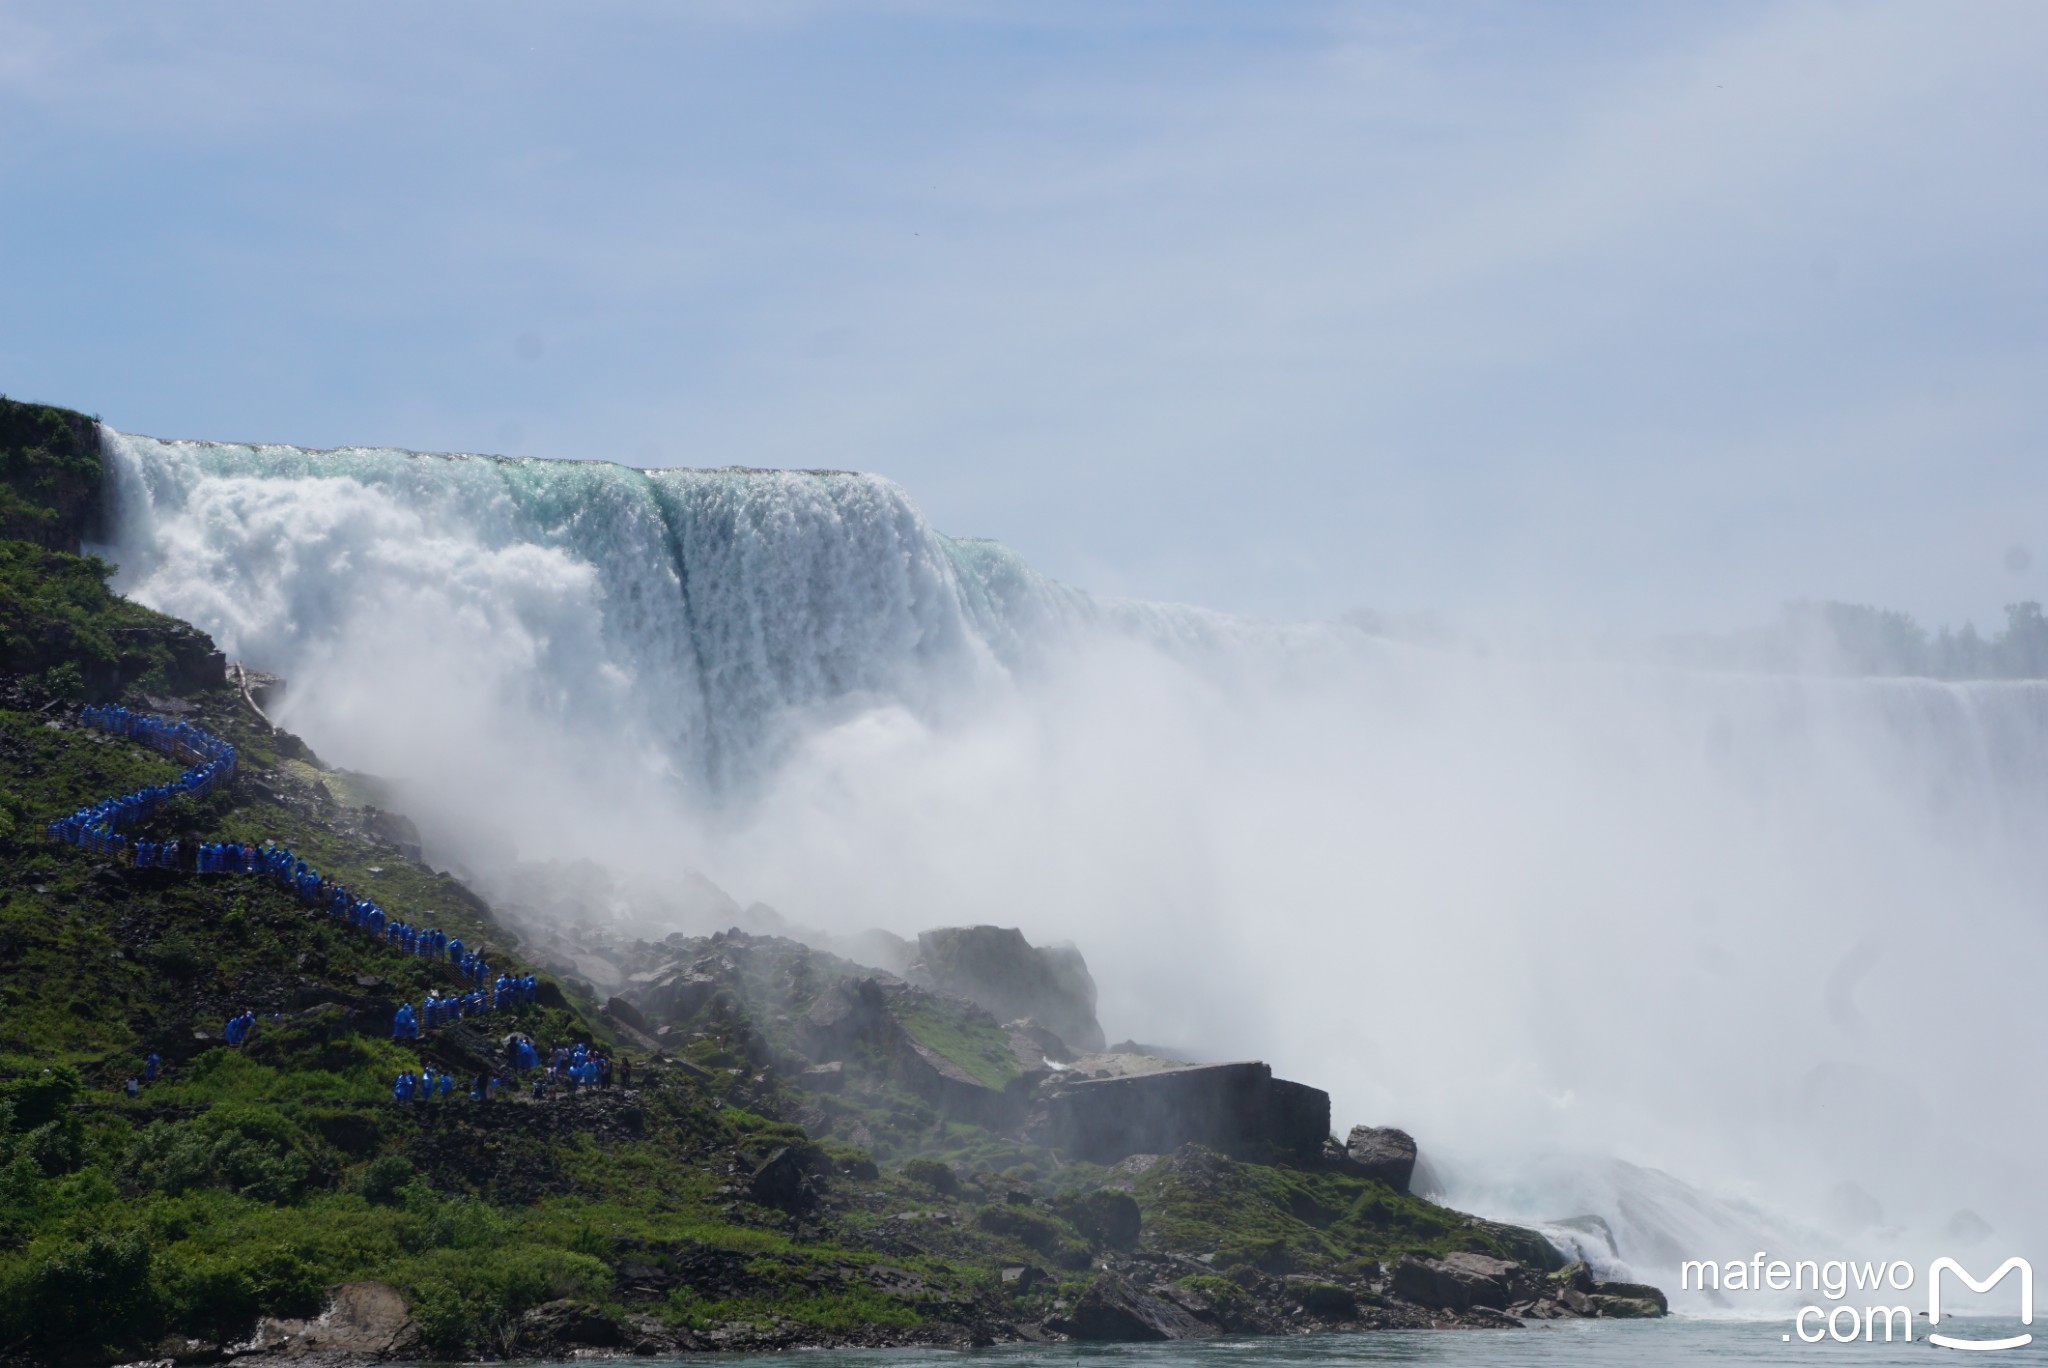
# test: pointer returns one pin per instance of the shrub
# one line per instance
(1033, 1231)
(932, 1174)
(219, 1297)
(177, 956)
(250, 1150)
(40, 1098)
(65, 680)
(56, 1147)
(96, 1292)
(1105, 1217)
(474, 1297)
(383, 1179)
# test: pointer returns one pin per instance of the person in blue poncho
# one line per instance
(152, 1066)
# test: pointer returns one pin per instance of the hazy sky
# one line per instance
(1638, 314)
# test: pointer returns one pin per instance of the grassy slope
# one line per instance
(246, 1181)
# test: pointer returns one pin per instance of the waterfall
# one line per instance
(1768, 933)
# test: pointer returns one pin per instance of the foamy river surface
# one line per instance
(1623, 1344)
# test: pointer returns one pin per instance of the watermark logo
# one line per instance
(1940, 1266)
(1837, 1278)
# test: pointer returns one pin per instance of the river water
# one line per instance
(1577, 1344)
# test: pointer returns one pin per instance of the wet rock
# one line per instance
(1458, 1282)
(998, 969)
(1384, 1153)
(1574, 1275)
(1634, 1301)
(1114, 1311)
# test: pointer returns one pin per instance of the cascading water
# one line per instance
(1778, 934)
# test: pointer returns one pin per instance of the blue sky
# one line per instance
(1620, 315)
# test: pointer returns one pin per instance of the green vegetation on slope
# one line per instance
(969, 1038)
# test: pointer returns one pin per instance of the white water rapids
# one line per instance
(1771, 935)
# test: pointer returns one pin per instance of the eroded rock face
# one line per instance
(1384, 1153)
(996, 968)
(361, 1319)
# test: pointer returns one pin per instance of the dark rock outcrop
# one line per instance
(779, 1181)
(1237, 1108)
(1112, 1310)
(997, 968)
(1384, 1153)
(1458, 1282)
(569, 1325)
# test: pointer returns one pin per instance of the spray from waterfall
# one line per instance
(1777, 935)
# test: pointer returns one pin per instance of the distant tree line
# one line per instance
(1856, 639)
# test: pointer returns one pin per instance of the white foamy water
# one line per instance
(1770, 935)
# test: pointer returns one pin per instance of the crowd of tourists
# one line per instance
(97, 826)
(567, 1068)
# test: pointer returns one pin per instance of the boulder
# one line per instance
(1634, 1301)
(361, 1319)
(1112, 1310)
(779, 1181)
(681, 994)
(1574, 1275)
(623, 1011)
(849, 1013)
(1458, 1282)
(1239, 1108)
(1384, 1153)
(1034, 1047)
(998, 969)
